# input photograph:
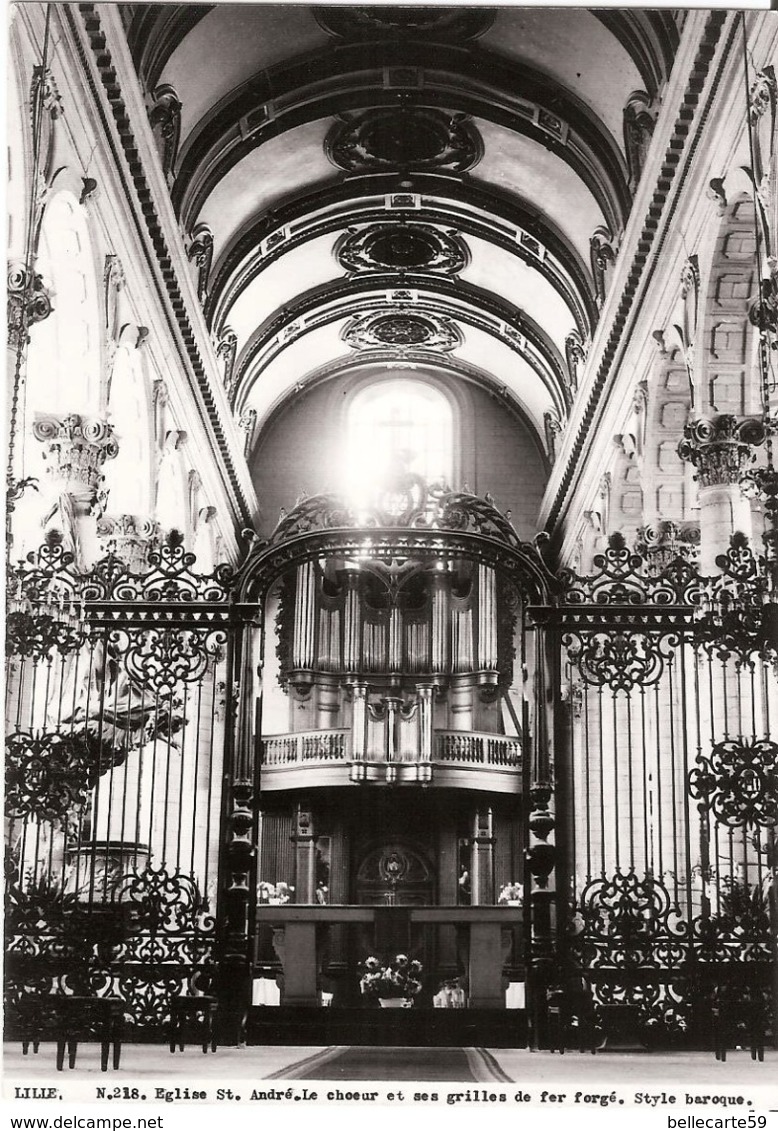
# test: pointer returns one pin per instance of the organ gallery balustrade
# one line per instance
(308, 759)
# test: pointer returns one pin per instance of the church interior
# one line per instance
(392, 526)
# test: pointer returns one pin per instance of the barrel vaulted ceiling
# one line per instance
(401, 187)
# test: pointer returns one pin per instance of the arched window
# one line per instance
(397, 424)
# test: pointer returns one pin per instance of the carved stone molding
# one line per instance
(603, 256)
(44, 86)
(402, 331)
(28, 302)
(554, 428)
(227, 350)
(201, 254)
(165, 121)
(130, 538)
(247, 425)
(763, 111)
(405, 137)
(402, 247)
(721, 449)
(575, 354)
(687, 330)
(639, 121)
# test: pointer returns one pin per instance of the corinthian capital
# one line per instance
(28, 303)
(721, 449)
(76, 449)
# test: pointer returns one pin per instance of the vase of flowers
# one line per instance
(274, 893)
(511, 895)
(394, 983)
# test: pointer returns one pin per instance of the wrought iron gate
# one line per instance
(666, 781)
(118, 700)
(132, 790)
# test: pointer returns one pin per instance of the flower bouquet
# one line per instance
(274, 893)
(397, 981)
(511, 895)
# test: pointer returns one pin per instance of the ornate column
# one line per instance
(721, 450)
(482, 857)
(129, 537)
(76, 449)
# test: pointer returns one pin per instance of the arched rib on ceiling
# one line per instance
(469, 208)
(458, 301)
(262, 91)
(156, 31)
(482, 85)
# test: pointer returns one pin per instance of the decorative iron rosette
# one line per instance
(738, 780)
(50, 775)
(165, 902)
(402, 247)
(408, 137)
(403, 331)
(445, 25)
(32, 636)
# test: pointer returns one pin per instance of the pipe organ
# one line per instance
(395, 651)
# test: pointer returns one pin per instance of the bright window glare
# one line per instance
(396, 425)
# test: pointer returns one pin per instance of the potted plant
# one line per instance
(274, 893)
(394, 983)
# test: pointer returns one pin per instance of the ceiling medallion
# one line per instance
(402, 247)
(389, 22)
(408, 137)
(401, 331)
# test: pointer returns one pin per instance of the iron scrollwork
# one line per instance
(621, 660)
(738, 780)
(159, 660)
(33, 636)
(628, 922)
(49, 775)
(624, 577)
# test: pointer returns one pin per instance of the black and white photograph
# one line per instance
(391, 693)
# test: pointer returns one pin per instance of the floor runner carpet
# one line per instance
(366, 1063)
